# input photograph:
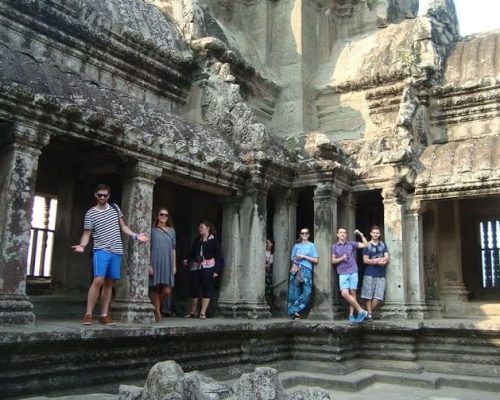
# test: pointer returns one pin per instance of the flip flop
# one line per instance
(203, 316)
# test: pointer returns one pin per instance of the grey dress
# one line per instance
(162, 247)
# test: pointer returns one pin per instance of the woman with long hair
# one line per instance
(304, 256)
(204, 268)
(163, 260)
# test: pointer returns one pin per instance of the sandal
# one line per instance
(296, 316)
(203, 316)
(190, 315)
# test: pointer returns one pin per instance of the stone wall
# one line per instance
(55, 359)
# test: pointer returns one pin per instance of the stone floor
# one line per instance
(377, 391)
(385, 391)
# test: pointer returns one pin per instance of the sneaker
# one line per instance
(106, 320)
(369, 318)
(351, 319)
(361, 316)
(87, 319)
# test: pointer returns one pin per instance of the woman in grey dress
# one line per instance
(163, 260)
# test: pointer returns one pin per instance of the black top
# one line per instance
(207, 250)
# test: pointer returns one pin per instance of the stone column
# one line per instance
(19, 151)
(414, 261)
(249, 301)
(397, 285)
(325, 224)
(231, 251)
(347, 214)
(132, 303)
(285, 227)
(452, 291)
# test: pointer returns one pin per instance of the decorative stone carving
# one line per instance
(167, 380)
(317, 145)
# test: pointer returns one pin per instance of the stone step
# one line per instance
(360, 379)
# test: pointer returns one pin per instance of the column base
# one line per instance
(244, 309)
(328, 312)
(455, 299)
(126, 310)
(16, 310)
(394, 310)
(435, 309)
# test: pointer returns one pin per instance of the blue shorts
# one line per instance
(107, 264)
(348, 281)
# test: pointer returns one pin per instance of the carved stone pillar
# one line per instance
(19, 152)
(132, 303)
(347, 214)
(249, 301)
(325, 223)
(284, 227)
(414, 261)
(231, 251)
(452, 291)
(396, 276)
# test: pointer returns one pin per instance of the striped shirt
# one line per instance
(105, 228)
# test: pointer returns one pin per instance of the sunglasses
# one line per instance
(304, 233)
(163, 214)
(102, 195)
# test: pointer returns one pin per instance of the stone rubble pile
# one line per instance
(167, 381)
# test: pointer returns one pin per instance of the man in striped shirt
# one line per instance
(104, 223)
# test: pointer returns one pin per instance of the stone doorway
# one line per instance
(461, 255)
(187, 207)
(68, 172)
(305, 212)
(480, 233)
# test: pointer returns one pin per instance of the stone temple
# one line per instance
(263, 116)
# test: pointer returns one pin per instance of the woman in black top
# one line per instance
(204, 267)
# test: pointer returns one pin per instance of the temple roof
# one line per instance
(458, 166)
(135, 19)
(473, 59)
(64, 89)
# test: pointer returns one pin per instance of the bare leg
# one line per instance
(156, 301)
(369, 306)
(351, 299)
(375, 303)
(204, 305)
(194, 306)
(93, 295)
(165, 292)
(107, 292)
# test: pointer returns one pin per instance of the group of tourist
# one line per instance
(104, 223)
(375, 257)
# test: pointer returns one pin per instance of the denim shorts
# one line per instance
(106, 264)
(348, 281)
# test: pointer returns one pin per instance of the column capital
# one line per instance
(144, 170)
(325, 191)
(24, 135)
(393, 194)
(349, 199)
(414, 207)
(285, 196)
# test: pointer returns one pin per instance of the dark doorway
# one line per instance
(369, 212)
(305, 211)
